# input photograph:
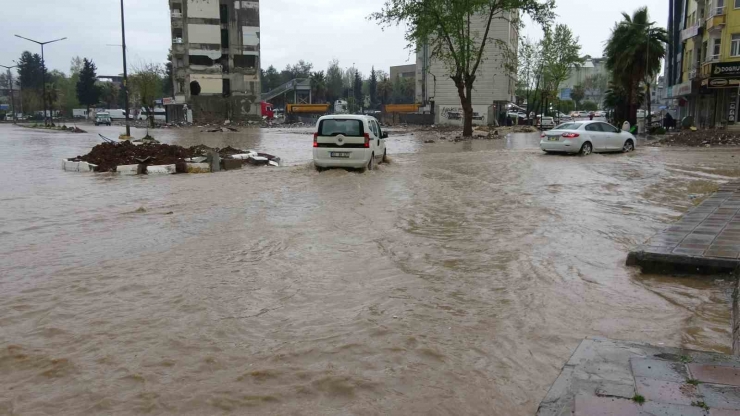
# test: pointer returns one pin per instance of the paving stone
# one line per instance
(663, 409)
(722, 254)
(618, 390)
(720, 396)
(716, 374)
(723, 412)
(666, 391)
(603, 406)
(689, 252)
(694, 246)
(659, 369)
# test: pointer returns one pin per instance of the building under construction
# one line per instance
(215, 60)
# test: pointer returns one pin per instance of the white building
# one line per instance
(493, 88)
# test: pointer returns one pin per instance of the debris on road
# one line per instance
(698, 138)
(127, 157)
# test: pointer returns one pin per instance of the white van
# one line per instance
(160, 114)
(117, 114)
(348, 141)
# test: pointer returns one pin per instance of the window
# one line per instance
(226, 87)
(180, 86)
(224, 38)
(201, 60)
(245, 61)
(373, 128)
(737, 4)
(704, 49)
(194, 88)
(179, 61)
(177, 35)
(224, 13)
(717, 48)
(608, 128)
(593, 127)
(334, 127)
(735, 45)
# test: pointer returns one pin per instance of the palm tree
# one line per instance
(633, 54)
(318, 86)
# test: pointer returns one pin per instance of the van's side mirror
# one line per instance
(384, 135)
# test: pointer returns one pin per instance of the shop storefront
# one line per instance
(719, 96)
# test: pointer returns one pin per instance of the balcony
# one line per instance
(691, 32)
(716, 19)
(176, 14)
(706, 67)
(177, 41)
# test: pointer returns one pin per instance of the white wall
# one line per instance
(204, 9)
(209, 84)
(204, 34)
(492, 83)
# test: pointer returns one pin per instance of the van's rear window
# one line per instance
(334, 127)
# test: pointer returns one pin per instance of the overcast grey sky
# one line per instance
(316, 31)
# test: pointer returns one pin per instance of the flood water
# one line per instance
(456, 280)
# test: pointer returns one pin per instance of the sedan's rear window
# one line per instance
(568, 126)
(334, 127)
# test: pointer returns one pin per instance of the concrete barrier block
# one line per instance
(232, 164)
(78, 166)
(198, 168)
(130, 169)
(161, 169)
(244, 156)
(70, 166)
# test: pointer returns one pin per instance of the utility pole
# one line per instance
(125, 72)
(12, 93)
(43, 68)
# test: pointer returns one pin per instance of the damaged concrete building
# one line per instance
(215, 59)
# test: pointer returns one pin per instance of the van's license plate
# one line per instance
(339, 154)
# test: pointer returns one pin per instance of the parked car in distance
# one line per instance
(102, 118)
(348, 141)
(547, 122)
(586, 137)
(583, 114)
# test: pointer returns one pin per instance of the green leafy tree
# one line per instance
(589, 106)
(385, 88)
(449, 28)
(167, 81)
(577, 95)
(373, 89)
(633, 54)
(529, 70)
(271, 79)
(146, 84)
(357, 89)
(334, 86)
(88, 93)
(561, 53)
(109, 94)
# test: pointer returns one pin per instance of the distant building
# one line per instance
(587, 73)
(215, 59)
(403, 71)
(494, 87)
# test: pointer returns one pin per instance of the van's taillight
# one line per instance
(367, 140)
(570, 135)
(316, 140)
(542, 136)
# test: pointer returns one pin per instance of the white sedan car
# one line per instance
(586, 137)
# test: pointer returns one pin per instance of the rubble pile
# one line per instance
(699, 138)
(108, 157)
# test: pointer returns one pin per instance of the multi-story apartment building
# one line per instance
(215, 59)
(494, 86)
(710, 63)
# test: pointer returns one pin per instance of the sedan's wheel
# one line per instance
(628, 146)
(586, 149)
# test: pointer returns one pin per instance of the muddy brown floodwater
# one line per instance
(455, 280)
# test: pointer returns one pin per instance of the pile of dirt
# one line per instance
(109, 155)
(699, 138)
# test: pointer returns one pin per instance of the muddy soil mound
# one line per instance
(109, 155)
(699, 138)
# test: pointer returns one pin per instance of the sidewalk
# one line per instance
(606, 377)
(707, 237)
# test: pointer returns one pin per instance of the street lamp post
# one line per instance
(43, 67)
(12, 93)
(125, 72)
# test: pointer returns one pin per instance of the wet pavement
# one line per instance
(607, 377)
(457, 279)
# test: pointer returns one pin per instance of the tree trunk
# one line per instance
(649, 115)
(467, 107)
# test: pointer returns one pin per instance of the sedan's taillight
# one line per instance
(570, 135)
(316, 140)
